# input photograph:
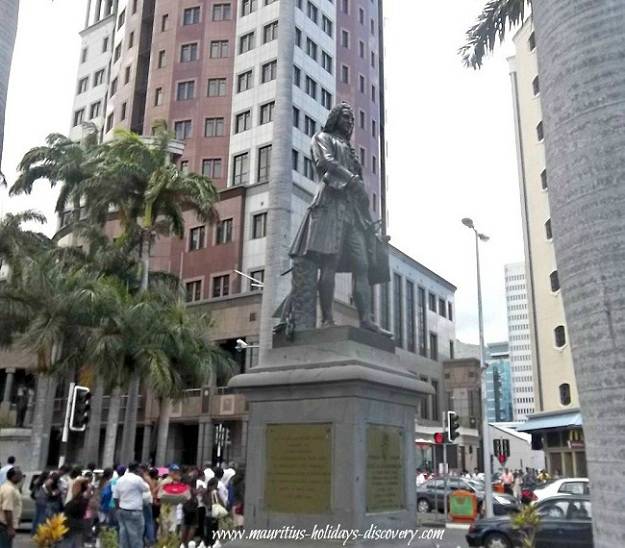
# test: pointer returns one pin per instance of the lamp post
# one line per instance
(488, 494)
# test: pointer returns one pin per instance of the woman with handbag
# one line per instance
(215, 510)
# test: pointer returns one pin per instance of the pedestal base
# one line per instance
(331, 439)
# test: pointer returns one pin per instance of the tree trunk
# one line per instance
(164, 416)
(129, 434)
(581, 59)
(91, 451)
(42, 421)
(112, 421)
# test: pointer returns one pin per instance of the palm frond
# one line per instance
(497, 17)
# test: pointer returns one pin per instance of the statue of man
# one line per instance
(337, 233)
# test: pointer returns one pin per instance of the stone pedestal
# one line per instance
(331, 436)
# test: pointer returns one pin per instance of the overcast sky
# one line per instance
(450, 133)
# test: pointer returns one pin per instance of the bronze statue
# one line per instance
(337, 233)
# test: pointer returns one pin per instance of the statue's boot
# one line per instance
(370, 326)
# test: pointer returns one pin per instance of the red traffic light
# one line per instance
(501, 458)
(439, 437)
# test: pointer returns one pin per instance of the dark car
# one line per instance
(431, 495)
(565, 521)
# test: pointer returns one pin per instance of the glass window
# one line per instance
(98, 77)
(241, 169)
(182, 129)
(310, 126)
(188, 53)
(197, 237)
(410, 317)
(565, 393)
(264, 164)
(193, 291)
(269, 71)
(191, 16)
(266, 112)
(259, 226)
(223, 233)
(311, 87)
(216, 87)
(560, 337)
(548, 232)
(247, 7)
(326, 61)
(185, 91)
(219, 49)
(326, 98)
(540, 132)
(221, 286)
(312, 11)
(83, 84)
(246, 42)
(554, 280)
(433, 346)
(326, 25)
(270, 32)
(212, 168)
(311, 49)
(442, 307)
(244, 81)
(432, 302)
(259, 277)
(214, 127)
(243, 121)
(222, 12)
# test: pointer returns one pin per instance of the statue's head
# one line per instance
(340, 120)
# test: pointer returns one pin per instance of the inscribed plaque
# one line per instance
(298, 470)
(385, 469)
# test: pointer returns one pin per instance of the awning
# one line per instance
(545, 421)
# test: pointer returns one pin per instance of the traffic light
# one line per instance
(505, 447)
(497, 447)
(81, 406)
(453, 424)
(439, 438)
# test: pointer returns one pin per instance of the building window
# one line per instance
(113, 87)
(345, 6)
(373, 93)
(372, 26)
(560, 336)
(297, 76)
(241, 169)
(565, 393)
(345, 74)
(243, 121)
(442, 308)
(270, 32)
(127, 75)
(295, 160)
(219, 49)
(259, 279)
(548, 232)
(182, 129)
(269, 71)
(266, 112)
(161, 59)
(79, 117)
(361, 49)
(363, 156)
(193, 291)
(216, 87)
(122, 115)
(184, 166)
(543, 179)
(223, 232)
(326, 62)
(433, 346)
(384, 306)
(185, 91)
(296, 117)
(435, 398)
(311, 49)
(326, 98)
(410, 317)
(246, 42)
(191, 16)
(345, 39)
(374, 129)
(422, 321)
(259, 226)
(212, 168)
(450, 315)
(131, 40)
(158, 97)
(247, 7)
(298, 37)
(311, 87)
(244, 81)
(197, 237)
(310, 126)
(164, 22)
(264, 164)
(313, 12)
(98, 77)
(540, 133)
(536, 86)
(373, 59)
(94, 110)
(109, 122)
(397, 310)
(531, 42)
(213, 127)
(222, 12)
(83, 84)
(118, 52)
(555, 282)
(361, 119)
(105, 44)
(221, 286)
(361, 81)
(326, 26)
(121, 19)
(451, 350)
(188, 53)
(309, 169)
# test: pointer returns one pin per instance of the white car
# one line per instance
(575, 486)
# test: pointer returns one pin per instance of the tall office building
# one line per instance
(557, 421)
(520, 341)
(8, 29)
(498, 383)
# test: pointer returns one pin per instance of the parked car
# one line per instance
(431, 495)
(565, 522)
(575, 486)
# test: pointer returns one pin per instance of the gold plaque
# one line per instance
(298, 470)
(385, 469)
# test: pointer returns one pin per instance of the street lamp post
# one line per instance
(488, 494)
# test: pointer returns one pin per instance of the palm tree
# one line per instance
(48, 307)
(135, 177)
(581, 56)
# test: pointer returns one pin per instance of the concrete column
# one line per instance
(8, 386)
(147, 438)
(204, 442)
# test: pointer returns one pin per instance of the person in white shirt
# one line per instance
(129, 493)
(420, 477)
(208, 471)
(221, 486)
(3, 471)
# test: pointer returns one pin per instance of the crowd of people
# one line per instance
(140, 504)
